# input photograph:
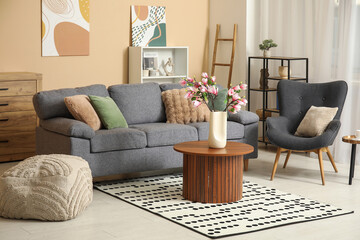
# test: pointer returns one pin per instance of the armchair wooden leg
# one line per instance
(331, 159)
(319, 152)
(246, 164)
(287, 158)
(278, 152)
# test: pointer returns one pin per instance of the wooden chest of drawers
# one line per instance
(17, 116)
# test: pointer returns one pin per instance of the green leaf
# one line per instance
(221, 100)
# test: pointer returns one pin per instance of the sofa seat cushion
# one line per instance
(117, 139)
(235, 130)
(165, 134)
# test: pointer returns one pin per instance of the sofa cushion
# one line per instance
(117, 139)
(165, 134)
(170, 86)
(181, 110)
(80, 108)
(139, 103)
(50, 104)
(234, 130)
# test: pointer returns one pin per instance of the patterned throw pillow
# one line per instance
(80, 107)
(180, 110)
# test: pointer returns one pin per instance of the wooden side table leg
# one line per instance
(352, 163)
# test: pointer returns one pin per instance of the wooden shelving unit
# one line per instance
(284, 61)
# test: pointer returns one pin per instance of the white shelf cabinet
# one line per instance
(179, 56)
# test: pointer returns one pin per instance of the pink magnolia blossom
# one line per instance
(231, 92)
(190, 80)
(213, 89)
(237, 107)
(213, 78)
(204, 80)
(235, 97)
(243, 86)
(196, 103)
(189, 94)
(236, 88)
(196, 85)
(203, 89)
(182, 82)
(242, 102)
(204, 75)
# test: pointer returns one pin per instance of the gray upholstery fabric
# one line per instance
(112, 162)
(170, 86)
(295, 99)
(244, 117)
(166, 134)
(234, 130)
(68, 127)
(50, 104)
(139, 103)
(117, 139)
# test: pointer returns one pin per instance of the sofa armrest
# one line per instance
(244, 117)
(68, 127)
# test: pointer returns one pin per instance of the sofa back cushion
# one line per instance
(139, 103)
(50, 104)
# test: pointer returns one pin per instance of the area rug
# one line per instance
(260, 208)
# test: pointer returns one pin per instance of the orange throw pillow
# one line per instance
(180, 110)
(80, 107)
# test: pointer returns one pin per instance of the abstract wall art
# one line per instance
(65, 27)
(148, 25)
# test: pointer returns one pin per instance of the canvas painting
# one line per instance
(148, 25)
(65, 27)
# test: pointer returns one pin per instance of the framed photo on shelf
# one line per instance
(150, 60)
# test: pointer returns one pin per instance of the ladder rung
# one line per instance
(225, 39)
(222, 64)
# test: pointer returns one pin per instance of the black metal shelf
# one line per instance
(276, 78)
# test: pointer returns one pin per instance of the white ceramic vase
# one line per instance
(267, 53)
(217, 129)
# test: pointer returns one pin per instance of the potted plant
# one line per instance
(266, 45)
(219, 102)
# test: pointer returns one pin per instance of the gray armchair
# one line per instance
(295, 98)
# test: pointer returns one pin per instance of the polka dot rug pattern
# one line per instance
(260, 208)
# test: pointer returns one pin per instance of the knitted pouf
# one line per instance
(52, 187)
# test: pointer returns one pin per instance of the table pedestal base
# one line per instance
(211, 179)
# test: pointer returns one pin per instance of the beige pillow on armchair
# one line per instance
(315, 121)
(180, 110)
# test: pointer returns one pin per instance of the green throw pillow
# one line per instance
(109, 113)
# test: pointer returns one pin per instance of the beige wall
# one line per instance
(227, 13)
(20, 40)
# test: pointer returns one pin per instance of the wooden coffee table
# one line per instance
(213, 175)
(351, 139)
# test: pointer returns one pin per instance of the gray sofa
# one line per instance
(145, 146)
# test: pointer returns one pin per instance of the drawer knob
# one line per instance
(4, 141)
(4, 119)
(4, 104)
(4, 89)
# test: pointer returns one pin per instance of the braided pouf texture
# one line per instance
(53, 187)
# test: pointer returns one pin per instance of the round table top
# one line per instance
(351, 139)
(202, 148)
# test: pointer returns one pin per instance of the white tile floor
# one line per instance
(110, 218)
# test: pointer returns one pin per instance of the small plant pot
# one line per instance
(283, 72)
(267, 53)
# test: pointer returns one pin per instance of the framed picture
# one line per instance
(150, 60)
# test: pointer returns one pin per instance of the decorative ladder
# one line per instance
(230, 65)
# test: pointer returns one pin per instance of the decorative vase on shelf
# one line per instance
(283, 72)
(217, 129)
(261, 81)
(267, 53)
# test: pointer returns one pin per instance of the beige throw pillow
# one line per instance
(180, 110)
(315, 121)
(80, 107)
